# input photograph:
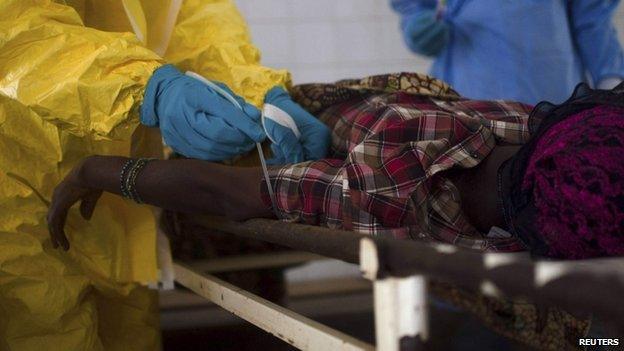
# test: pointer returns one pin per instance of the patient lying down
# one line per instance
(428, 166)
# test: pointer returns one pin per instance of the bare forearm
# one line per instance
(185, 185)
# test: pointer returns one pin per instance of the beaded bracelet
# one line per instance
(122, 177)
(138, 167)
(129, 175)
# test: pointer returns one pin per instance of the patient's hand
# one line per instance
(185, 185)
(71, 190)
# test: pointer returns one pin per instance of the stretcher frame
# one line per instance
(399, 270)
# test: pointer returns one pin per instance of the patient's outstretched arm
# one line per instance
(184, 185)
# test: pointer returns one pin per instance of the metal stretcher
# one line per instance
(399, 270)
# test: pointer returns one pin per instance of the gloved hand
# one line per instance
(195, 120)
(425, 35)
(296, 135)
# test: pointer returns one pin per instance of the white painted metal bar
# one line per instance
(297, 330)
(250, 262)
(412, 308)
(401, 313)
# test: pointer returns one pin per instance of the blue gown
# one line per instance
(523, 50)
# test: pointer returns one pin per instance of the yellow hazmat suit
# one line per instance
(72, 76)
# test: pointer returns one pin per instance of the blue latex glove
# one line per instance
(425, 35)
(195, 120)
(314, 137)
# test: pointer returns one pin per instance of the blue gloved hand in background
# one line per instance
(424, 34)
(297, 136)
(195, 120)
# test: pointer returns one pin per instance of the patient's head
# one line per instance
(576, 177)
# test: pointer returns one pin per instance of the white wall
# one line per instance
(327, 40)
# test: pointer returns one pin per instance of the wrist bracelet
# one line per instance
(132, 176)
(122, 177)
(129, 175)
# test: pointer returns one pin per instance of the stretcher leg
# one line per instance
(401, 313)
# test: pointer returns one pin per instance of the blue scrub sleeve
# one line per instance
(596, 38)
(422, 33)
(410, 7)
(407, 9)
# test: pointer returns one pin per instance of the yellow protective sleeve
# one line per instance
(211, 38)
(67, 91)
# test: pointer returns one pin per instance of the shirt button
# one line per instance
(475, 155)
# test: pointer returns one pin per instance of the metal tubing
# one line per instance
(299, 331)
(589, 286)
(339, 244)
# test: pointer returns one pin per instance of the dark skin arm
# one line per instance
(185, 185)
(195, 186)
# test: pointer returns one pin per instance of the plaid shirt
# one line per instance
(386, 172)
